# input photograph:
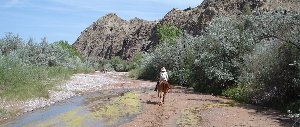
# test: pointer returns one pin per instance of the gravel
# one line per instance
(79, 83)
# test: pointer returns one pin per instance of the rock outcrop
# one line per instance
(112, 36)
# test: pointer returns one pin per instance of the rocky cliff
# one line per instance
(194, 20)
(112, 36)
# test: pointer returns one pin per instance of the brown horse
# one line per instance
(162, 88)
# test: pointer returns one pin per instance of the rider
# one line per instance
(163, 76)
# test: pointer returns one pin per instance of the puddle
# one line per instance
(105, 108)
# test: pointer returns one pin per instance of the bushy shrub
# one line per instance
(21, 81)
(31, 69)
(278, 25)
(135, 73)
(66, 46)
(239, 93)
(181, 77)
(167, 32)
(118, 64)
(251, 58)
(174, 56)
(220, 52)
(274, 78)
(272, 71)
(136, 61)
(44, 54)
(10, 43)
(148, 70)
(247, 9)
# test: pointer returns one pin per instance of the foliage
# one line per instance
(10, 43)
(30, 69)
(134, 65)
(251, 58)
(175, 57)
(220, 53)
(22, 81)
(181, 77)
(247, 9)
(136, 61)
(240, 93)
(273, 79)
(167, 32)
(134, 73)
(44, 54)
(66, 46)
(272, 66)
(281, 26)
(270, 74)
(118, 64)
(147, 69)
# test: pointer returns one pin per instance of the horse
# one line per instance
(162, 88)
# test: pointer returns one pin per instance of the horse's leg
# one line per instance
(161, 97)
(164, 95)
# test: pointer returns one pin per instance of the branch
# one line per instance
(279, 38)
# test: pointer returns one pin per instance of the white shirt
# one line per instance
(164, 76)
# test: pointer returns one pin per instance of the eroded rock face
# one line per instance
(195, 20)
(112, 36)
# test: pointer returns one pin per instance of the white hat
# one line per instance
(163, 69)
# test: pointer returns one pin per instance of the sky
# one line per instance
(66, 19)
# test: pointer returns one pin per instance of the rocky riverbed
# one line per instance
(77, 85)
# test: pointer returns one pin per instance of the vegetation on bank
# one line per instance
(252, 58)
(29, 69)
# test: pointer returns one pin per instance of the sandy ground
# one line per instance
(186, 108)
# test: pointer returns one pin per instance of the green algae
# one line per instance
(190, 117)
(123, 106)
(73, 118)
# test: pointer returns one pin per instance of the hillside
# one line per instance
(112, 36)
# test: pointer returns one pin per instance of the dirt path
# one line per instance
(183, 107)
(186, 108)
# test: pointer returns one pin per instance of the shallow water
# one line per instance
(90, 110)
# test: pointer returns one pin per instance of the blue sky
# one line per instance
(65, 19)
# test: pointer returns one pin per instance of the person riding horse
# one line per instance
(163, 76)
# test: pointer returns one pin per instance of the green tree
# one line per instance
(66, 46)
(247, 9)
(167, 32)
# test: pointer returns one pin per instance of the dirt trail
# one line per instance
(186, 108)
(183, 107)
